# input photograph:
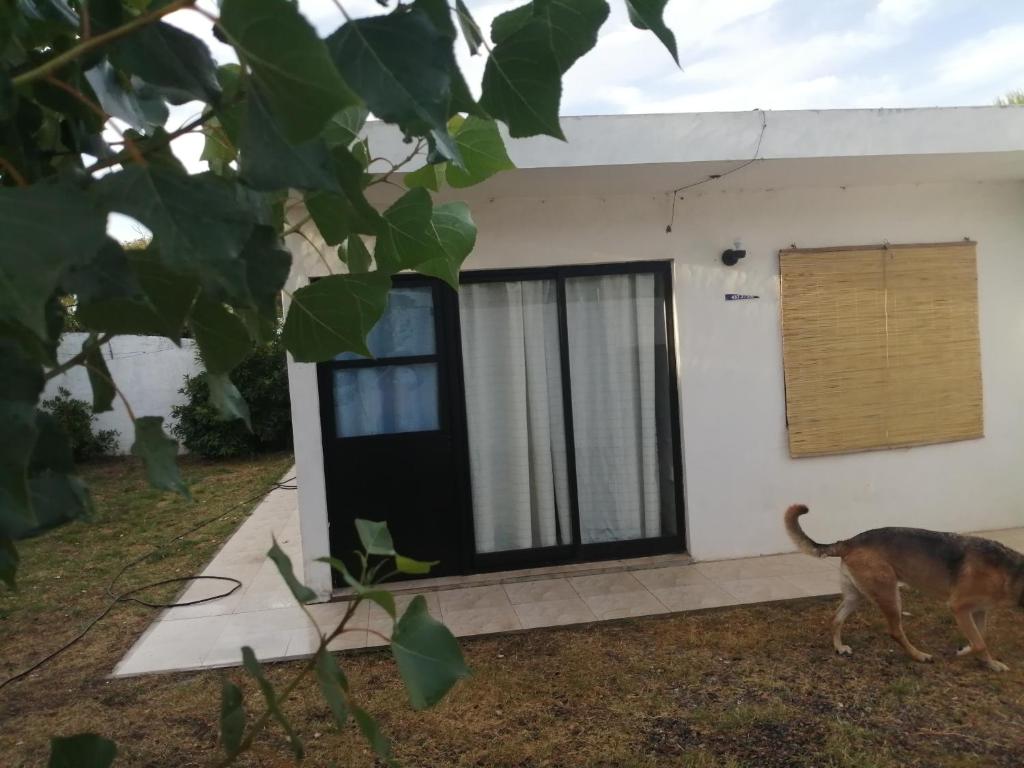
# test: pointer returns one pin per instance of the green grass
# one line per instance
(742, 687)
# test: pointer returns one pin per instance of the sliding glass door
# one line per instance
(573, 439)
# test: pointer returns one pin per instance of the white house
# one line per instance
(605, 386)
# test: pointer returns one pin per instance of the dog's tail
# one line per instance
(805, 543)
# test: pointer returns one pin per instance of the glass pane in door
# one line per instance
(618, 360)
(512, 368)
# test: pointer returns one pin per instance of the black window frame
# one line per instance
(577, 550)
(435, 358)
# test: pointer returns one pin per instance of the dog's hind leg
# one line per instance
(851, 600)
(980, 616)
(878, 581)
(965, 620)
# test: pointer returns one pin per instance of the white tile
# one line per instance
(606, 584)
(763, 589)
(481, 621)
(471, 598)
(540, 591)
(691, 597)
(672, 576)
(816, 583)
(620, 605)
(554, 613)
(267, 646)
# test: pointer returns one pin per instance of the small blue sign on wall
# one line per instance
(739, 296)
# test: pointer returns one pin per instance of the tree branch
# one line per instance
(130, 146)
(78, 359)
(98, 41)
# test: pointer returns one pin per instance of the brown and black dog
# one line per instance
(972, 574)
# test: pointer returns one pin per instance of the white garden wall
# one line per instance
(149, 370)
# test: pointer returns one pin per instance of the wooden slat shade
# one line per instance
(880, 347)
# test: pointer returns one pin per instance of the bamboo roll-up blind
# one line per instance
(880, 347)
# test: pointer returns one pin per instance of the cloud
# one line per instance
(991, 56)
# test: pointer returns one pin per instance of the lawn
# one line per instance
(746, 686)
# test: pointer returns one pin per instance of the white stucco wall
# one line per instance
(149, 370)
(738, 473)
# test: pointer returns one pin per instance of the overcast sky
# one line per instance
(756, 54)
(774, 54)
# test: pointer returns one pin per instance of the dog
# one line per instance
(972, 574)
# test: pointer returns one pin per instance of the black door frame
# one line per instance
(578, 551)
(453, 415)
(447, 356)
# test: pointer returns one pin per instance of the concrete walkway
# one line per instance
(263, 614)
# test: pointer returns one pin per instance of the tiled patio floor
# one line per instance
(263, 614)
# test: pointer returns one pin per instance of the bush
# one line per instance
(263, 381)
(76, 419)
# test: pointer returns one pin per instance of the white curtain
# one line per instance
(615, 324)
(510, 353)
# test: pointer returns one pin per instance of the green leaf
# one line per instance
(221, 335)
(399, 63)
(647, 14)
(332, 214)
(267, 263)
(333, 686)
(99, 377)
(454, 235)
(104, 15)
(51, 450)
(371, 732)
(403, 241)
(159, 453)
(381, 597)
(462, 100)
(267, 160)
(56, 11)
(483, 153)
(336, 215)
(522, 83)
(198, 222)
(84, 750)
(375, 537)
(218, 151)
(171, 59)
(429, 177)
(252, 666)
(232, 717)
(28, 221)
(470, 29)
(226, 399)
(428, 656)
(333, 315)
(289, 62)
(231, 110)
(355, 255)
(344, 127)
(135, 105)
(8, 562)
(56, 499)
(21, 382)
(413, 567)
(299, 591)
(160, 310)
(107, 275)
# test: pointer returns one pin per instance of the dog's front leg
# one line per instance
(965, 620)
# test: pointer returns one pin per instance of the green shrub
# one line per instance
(263, 381)
(76, 419)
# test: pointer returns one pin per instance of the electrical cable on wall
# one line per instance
(130, 595)
(717, 176)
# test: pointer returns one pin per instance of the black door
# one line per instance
(388, 427)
